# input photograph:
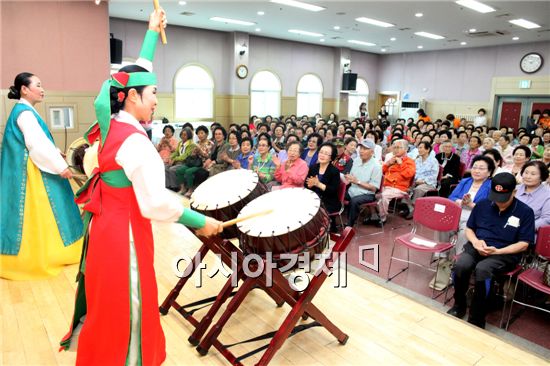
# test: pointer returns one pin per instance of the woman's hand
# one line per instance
(67, 174)
(276, 161)
(211, 227)
(156, 19)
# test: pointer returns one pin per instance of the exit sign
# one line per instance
(525, 84)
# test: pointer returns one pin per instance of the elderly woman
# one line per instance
(521, 156)
(227, 154)
(470, 191)
(324, 179)
(488, 144)
(497, 158)
(310, 154)
(262, 161)
(534, 193)
(167, 144)
(184, 149)
(451, 168)
(292, 172)
(186, 172)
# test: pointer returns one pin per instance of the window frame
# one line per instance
(213, 93)
(310, 93)
(280, 92)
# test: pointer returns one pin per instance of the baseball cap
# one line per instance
(368, 143)
(502, 187)
(338, 142)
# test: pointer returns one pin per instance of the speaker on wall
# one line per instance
(349, 81)
(116, 50)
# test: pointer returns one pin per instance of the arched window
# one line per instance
(194, 93)
(361, 95)
(310, 95)
(391, 104)
(265, 94)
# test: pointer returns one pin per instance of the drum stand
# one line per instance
(301, 305)
(223, 248)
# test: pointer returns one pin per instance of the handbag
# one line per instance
(193, 161)
(443, 275)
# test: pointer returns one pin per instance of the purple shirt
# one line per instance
(539, 201)
(469, 155)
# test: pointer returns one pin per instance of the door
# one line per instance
(510, 114)
(540, 106)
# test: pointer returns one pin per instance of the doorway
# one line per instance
(515, 111)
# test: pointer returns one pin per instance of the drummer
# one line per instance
(117, 297)
(41, 228)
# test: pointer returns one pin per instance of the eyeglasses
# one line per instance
(479, 168)
(325, 153)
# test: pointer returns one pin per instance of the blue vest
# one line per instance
(13, 182)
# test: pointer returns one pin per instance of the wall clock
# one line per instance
(242, 71)
(531, 63)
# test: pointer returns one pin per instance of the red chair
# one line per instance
(374, 204)
(341, 197)
(438, 214)
(532, 277)
(439, 177)
(461, 171)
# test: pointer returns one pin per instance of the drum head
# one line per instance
(292, 209)
(224, 189)
(75, 154)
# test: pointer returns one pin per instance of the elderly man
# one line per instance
(498, 230)
(365, 177)
(398, 171)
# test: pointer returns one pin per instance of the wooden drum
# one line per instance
(297, 224)
(223, 195)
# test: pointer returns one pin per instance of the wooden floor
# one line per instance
(384, 327)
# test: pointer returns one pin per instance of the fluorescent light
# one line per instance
(420, 47)
(475, 5)
(429, 35)
(383, 50)
(182, 3)
(419, 15)
(472, 30)
(305, 33)
(257, 29)
(515, 38)
(322, 40)
(463, 43)
(97, 2)
(232, 21)
(260, 13)
(336, 27)
(299, 4)
(393, 39)
(524, 23)
(378, 23)
(361, 43)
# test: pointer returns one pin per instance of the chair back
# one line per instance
(542, 247)
(461, 170)
(342, 191)
(437, 213)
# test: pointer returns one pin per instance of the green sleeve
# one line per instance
(192, 218)
(149, 45)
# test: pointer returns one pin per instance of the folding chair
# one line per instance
(532, 277)
(461, 170)
(341, 197)
(438, 214)
(438, 184)
(374, 204)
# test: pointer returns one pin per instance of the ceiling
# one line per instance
(445, 18)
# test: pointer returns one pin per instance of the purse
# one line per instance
(193, 161)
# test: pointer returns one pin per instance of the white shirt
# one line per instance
(480, 121)
(144, 168)
(43, 153)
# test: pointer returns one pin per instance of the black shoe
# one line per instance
(409, 216)
(379, 223)
(477, 323)
(368, 221)
(457, 311)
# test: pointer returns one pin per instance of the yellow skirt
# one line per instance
(42, 253)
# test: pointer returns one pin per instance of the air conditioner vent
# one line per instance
(187, 13)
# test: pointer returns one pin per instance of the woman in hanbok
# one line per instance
(117, 300)
(40, 224)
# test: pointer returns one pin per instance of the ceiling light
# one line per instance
(322, 40)
(378, 23)
(260, 13)
(361, 43)
(524, 23)
(419, 15)
(420, 47)
(232, 21)
(463, 43)
(305, 33)
(299, 4)
(97, 2)
(429, 35)
(182, 3)
(383, 50)
(393, 39)
(515, 38)
(472, 30)
(336, 27)
(258, 29)
(475, 5)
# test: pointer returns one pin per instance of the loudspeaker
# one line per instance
(349, 81)
(116, 51)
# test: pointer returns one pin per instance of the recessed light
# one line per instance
(299, 4)
(383, 50)
(393, 39)
(475, 5)
(419, 15)
(420, 47)
(322, 40)
(258, 29)
(515, 38)
(231, 21)
(378, 23)
(182, 2)
(336, 27)
(305, 33)
(361, 43)
(260, 13)
(524, 23)
(429, 35)
(472, 30)
(463, 43)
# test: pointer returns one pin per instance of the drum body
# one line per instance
(75, 154)
(223, 195)
(297, 224)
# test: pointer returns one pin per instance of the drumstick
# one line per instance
(244, 218)
(162, 33)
